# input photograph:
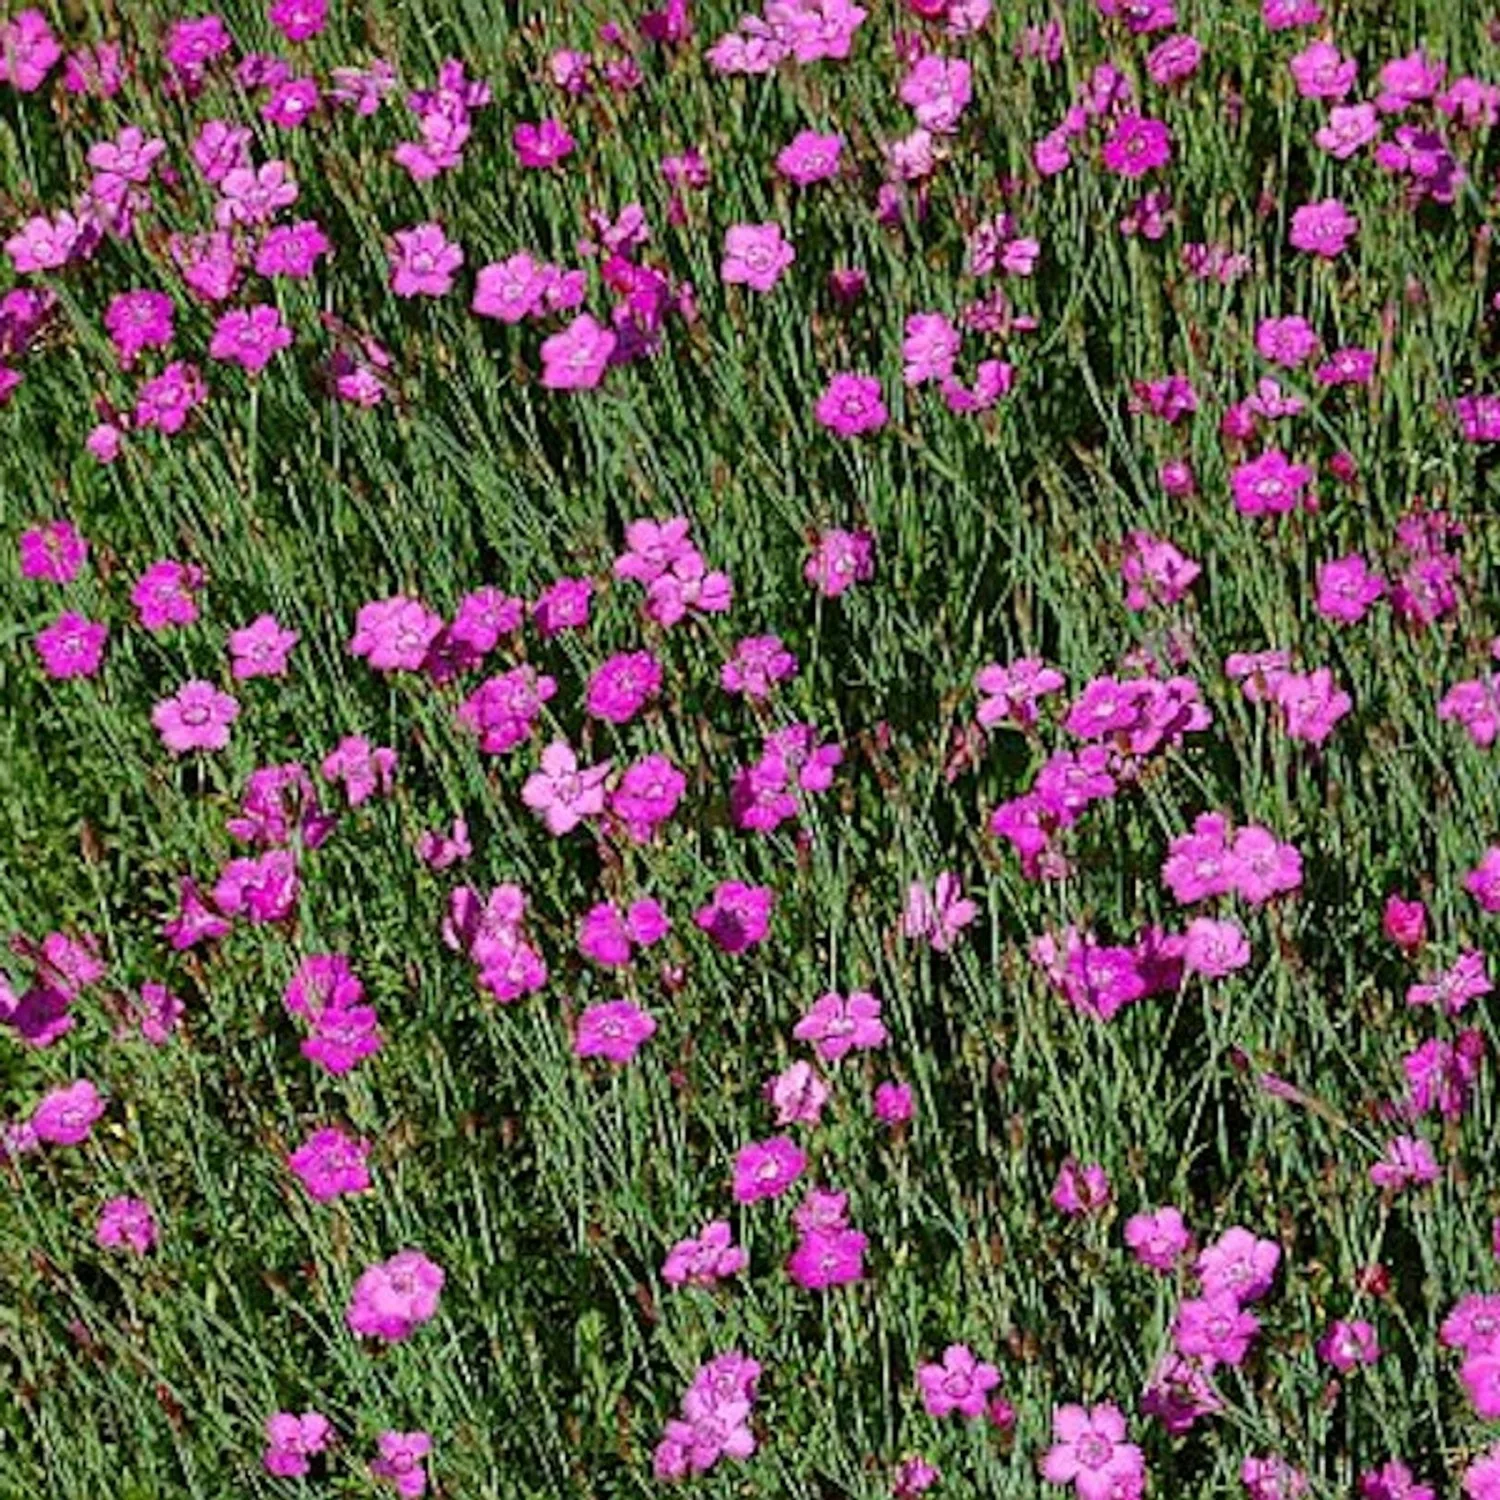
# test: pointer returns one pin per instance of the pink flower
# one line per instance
(66, 1115)
(810, 157)
(254, 195)
(797, 1094)
(291, 1440)
(705, 1259)
(331, 1163)
(166, 595)
(738, 917)
(395, 634)
(261, 648)
(196, 717)
(1158, 1239)
(1404, 922)
(166, 401)
(563, 606)
(1272, 1477)
(71, 646)
(395, 1297)
(1347, 588)
(502, 710)
(851, 404)
(1483, 881)
(158, 1013)
(1269, 485)
(423, 261)
(755, 255)
(1089, 1451)
(298, 20)
(342, 1037)
(614, 1030)
(562, 793)
(960, 1384)
(363, 769)
(512, 289)
(1348, 1345)
(292, 250)
(1407, 1162)
(894, 1103)
(576, 358)
(136, 321)
(400, 1461)
(1215, 1329)
(758, 663)
(1215, 948)
(542, 146)
(28, 51)
(622, 686)
(1012, 692)
(766, 1169)
(938, 89)
(938, 915)
(126, 1224)
(837, 1025)
(1311, 703)
(1136, 146)
(646, 796)
(1081, 1189)
(1155, 572)
(839, 560)
(1323, 228)
(1393, 1481)
(1240, 1263)
(929, 349)
(53, 551)
(1174, 59)
(439, 850)
(1285, 341)
(195, 922)
(828, 1257)
(263, 889)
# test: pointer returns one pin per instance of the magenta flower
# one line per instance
(1158, 1239)
(766, 1169)
(1216, 1329)
(1081, 1189)
(1136, 146)
(1239, 1263)
(563, 793)
(71, 646)
(1155, 572)
(395, 1297)
(614, 1030)
(166, 595)
(1311, 703)
(261, 648)
(1346, 1345)
(1272, 1477)
(839, 560)
(1269, 485)
(1286, 341)
(363, 769)
(543, 145)
(1324, 228)
(929, 348)
(262, 890)
(894, 1103)
(292, 1440)
(292, 250)
(851, 404)
(1483, 881)
(810, 157)
(331, 1163)
(705, 1259)
(424, 261)
(511, 289)
(196, 717)
(758, 664)
(828, 1257)
(646, 796)
(503, 709)
(53, 551)
(126, 1224)
(1090, 1452)
(755, 255)
(938, 89)
(167, 400)
(28, 51)
(1347, 588)
(622, 686)
(254, 195)
(1215, 948)
(797, 1094)
(961, 1383)
(395, 634)
(1393, 1481)
(66, 1115)
(136, 321)
(1408, 1162)
(342, 1037)
(400, 1461)
(576, 358)
(739, 915)
(839, 1024)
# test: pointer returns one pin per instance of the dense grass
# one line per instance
(549, 1190)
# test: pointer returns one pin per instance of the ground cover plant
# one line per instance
(750, 752)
